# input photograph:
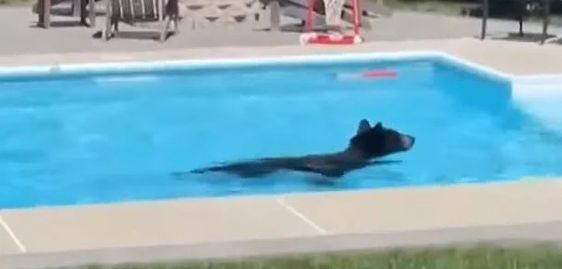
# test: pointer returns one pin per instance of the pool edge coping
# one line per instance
(136, 65)
(151, 65)
(218, 62)
(531, 232)
(553, 183)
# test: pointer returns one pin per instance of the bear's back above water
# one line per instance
(367, 143)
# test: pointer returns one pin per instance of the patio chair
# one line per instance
(79, 8)
(518, 10)
(133, 12)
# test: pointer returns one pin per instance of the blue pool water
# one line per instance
(108, 138)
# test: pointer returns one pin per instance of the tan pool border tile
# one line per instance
(528, 233)
(302, 214)
(433, 207)
(170, 222)
(531, 58)
(9, 243)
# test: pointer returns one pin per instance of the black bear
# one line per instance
(367, 144)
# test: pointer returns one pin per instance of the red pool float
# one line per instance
(370, 74)
(379, 73)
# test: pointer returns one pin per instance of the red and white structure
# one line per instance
(311, 37)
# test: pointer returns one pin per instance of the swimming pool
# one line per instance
(96, 136)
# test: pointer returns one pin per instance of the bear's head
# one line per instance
(378, 141)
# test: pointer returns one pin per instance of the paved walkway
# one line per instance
(519, 58)
(20, 36)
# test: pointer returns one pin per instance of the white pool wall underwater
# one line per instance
(7, 73)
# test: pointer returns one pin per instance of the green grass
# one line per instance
(475, 257)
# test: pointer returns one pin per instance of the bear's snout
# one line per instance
(407, 141)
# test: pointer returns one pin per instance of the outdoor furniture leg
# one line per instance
(275, 15)
(546, 20)
(82, 6)
(44, 13)
(92, 13)
(485, 4)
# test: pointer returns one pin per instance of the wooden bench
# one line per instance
(159, 12)
(43, 10)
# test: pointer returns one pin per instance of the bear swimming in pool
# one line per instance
(367, 144)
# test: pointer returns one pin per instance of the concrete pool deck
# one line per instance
(517, 58)
(229, 227)
(252, 225)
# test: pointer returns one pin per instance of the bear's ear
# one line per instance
(363, 126)
(378, 126)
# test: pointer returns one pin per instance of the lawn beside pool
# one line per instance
(528, 256)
